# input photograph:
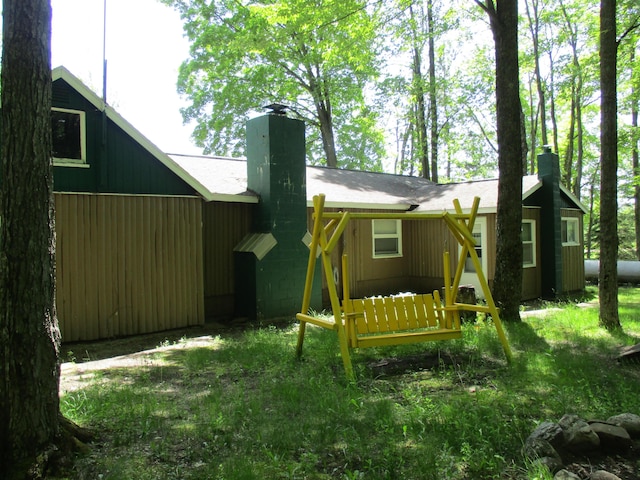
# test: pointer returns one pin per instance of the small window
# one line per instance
(387, 238)
(68, 136)
(569, 233)
(528, 243)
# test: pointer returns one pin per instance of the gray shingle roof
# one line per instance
(226, 180)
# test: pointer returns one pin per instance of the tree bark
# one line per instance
(507, 286)
(29, 335)
(608, 276)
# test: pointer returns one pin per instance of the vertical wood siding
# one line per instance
(225, 225)
(127, 264)
(531, 276)
(573, 257)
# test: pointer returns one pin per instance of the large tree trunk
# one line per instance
(608, 277)
(29, 335)
(507, 286)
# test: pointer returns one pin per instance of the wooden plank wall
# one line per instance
(531, 276)
(573, 257)
(225, 225)
(127, 265)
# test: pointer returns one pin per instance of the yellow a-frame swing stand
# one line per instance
(393, 320)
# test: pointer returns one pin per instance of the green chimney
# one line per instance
(550, 224)
(271, 263)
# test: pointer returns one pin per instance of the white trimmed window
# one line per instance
(68, 136)
(387, 238)
(528, 243)
(569, 232)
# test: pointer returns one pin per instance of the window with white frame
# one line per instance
(569, 231)
(387, 238)
(68, 136)
(528, 243)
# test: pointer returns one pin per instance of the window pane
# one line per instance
(66, 136)
(385, 227)
(571, 232)
(526, 232)
(386, 246)
(527, 254)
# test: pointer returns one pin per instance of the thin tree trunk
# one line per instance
(635, 100)
(608, 277)
(576, 134)
(507, 286)
(323, 107)
(534, 28)
(552, 103)
(29, 335)
(568, 154)
(590, 226)
(433, 103)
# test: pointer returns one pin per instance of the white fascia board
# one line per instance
(230, 198)
(363, 206)
(574, 199)
(532, 190)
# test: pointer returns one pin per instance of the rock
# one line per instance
(578, 435)
(541, 451)
(612, 437)
(629, 421)
(603, 475)
(551, 432)
(565, 475)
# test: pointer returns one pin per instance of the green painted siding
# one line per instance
(131, 169)
(124, 167)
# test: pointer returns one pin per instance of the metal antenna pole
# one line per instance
(104, 53)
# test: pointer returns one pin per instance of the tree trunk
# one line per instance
(433, 103)
(323, 109)
(507, 286)
(608, 277)
(592, 185)
(534, 29)
(29, 335)
(552, 103)
(635, 100)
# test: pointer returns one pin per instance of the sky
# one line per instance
(145, 46)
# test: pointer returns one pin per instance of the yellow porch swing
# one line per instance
(392, 320)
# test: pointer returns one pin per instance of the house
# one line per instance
(148, 241)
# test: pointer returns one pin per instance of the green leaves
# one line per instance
(316, 57)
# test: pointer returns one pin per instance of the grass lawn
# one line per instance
(239, 405)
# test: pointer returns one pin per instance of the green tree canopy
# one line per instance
(317, 57)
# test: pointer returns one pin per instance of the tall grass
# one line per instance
(243, 407)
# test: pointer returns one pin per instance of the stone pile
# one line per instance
(553, 444)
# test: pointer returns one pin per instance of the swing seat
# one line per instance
(394, 320)
(400, 319)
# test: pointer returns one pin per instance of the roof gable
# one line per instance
(61, 73)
